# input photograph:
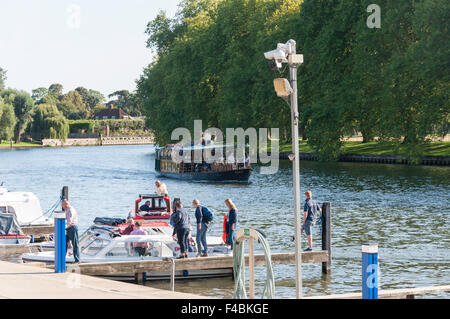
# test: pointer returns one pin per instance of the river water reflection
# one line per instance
(405, 209)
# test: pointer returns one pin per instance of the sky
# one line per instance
(98, 44)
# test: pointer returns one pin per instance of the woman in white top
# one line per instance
(161, 188)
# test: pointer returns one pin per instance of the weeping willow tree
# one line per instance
(49, 122)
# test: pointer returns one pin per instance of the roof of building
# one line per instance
(110, 112)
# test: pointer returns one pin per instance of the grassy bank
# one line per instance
(375, 148)
(6, 144)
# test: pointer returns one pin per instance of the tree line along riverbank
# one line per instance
(389, 82)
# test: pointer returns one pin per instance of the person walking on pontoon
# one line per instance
(72, 229)
(181, 228)
(310, 215)
(231, 222)
(202, 228)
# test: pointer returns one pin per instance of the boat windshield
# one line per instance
(92, 244)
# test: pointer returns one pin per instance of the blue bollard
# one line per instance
(59, 240)
(369, 271)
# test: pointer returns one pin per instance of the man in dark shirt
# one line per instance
(310, 214)
(146, 207)
(202, 228)
(182, 228)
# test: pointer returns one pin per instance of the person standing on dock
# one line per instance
(202, 228)
(71, 229)
(310, 214)
(182, 228)
(231, 222)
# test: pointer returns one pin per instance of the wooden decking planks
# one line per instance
(29, 282)
(190, 263)
(390, 293)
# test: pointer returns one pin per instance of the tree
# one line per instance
(49, 122)
(23, 103)
(2, 78)
(56, 89)
(91, 98)
(72, 106)
(38, 95)
(126, 101)
(7, 121)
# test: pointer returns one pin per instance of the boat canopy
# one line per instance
(24, 205)
(9, 225)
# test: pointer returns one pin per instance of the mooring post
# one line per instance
(65, 193)
(326, 235)
(172, 274)
(139, 278)
(251, 268)
(369, 271)
(60, 242)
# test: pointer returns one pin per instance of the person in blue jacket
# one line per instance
(182, 228)
(231, 222)
(202, 228)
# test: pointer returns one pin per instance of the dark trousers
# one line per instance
(201, 238)
(182, 236)
(72, 235)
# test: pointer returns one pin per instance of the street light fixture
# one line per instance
(285, 53)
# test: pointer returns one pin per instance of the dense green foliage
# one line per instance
(390, 82)
(2, 78)
(44, 114)
(116, 127)
(48, 122)
(7, 121)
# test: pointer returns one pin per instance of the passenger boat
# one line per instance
(25, 206)
(10, 231)
(186, 169)
(104, 244)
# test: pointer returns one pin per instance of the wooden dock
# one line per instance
(148, 266)
(404, 293)
(16, 249)
(30, 282)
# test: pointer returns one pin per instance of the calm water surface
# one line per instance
(404, 209)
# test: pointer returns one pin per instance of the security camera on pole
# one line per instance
(285, 53)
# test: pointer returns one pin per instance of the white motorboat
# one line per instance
(25, 206)
(10, 231)
(103, 244)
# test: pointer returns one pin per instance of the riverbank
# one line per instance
(435, 153)
(123, 140)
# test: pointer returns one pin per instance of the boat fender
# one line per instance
(224, 227)
(185, 273)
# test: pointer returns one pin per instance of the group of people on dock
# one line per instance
(182, 226)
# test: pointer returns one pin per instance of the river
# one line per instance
(405, 209)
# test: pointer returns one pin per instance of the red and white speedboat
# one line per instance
(10, 231)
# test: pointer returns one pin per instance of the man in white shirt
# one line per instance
(72, 229)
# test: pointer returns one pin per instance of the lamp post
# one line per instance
(285, 53)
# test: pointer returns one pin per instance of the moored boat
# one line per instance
(10, 231)
(104, 244)
(177, 162)
(25, 206)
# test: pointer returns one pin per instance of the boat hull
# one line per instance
(235, 175)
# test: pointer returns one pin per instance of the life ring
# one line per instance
(224, 227)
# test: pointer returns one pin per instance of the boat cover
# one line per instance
(9, 225)
(109, 221)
